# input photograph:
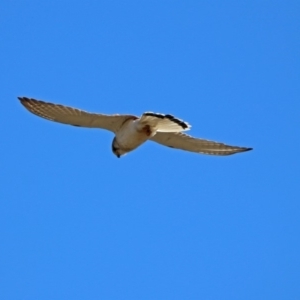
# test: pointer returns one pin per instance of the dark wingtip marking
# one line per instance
(23, 99)
(28, 100)
(170, 117)
(154, 115)
(243, 150)
(177, 121)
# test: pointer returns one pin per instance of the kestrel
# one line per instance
(132, 131)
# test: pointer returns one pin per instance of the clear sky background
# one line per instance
(78, 223)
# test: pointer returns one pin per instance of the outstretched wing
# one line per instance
(185, 142)
(73, 116)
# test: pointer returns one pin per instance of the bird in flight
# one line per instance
(132, 131)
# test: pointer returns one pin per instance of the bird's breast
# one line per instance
(130, 136)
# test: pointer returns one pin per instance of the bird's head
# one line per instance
(116, 149)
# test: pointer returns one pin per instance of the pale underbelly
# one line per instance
(130, 138)
(130, 142)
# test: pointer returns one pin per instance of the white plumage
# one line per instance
(131, 131)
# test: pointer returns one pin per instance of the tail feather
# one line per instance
(164, 123)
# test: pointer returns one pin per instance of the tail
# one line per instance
(164, 123)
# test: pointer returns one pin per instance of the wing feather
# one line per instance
(186, 142)
(73, 116)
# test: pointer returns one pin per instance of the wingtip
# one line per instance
(23, 99)
(248, 149)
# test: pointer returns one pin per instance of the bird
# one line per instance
(132, 131)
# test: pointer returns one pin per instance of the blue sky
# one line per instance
(78, 223)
